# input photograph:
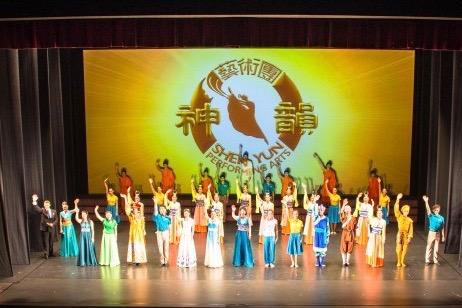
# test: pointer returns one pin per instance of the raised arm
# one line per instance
(345, 203)
(158, 165)
(151, 184)
(193, 190)
(98, 216)
(106, 185)
(357, 204)
(35, 206)
(166, 200)
(396, 207)
(60, 224)
(427, 206)
(258, 200)
(319, 160)
(295, 194)
(238, 191)
(327, 188)
(117, 171)
(76, 205)
(305, 197)
(200, 171)
(77, 218)
(233, 212)
(128, 209)
(156, 207)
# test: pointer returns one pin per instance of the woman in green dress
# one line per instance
(109, 254)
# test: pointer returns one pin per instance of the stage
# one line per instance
(59, 282)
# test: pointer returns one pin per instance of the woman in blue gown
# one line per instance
(68, 245)
(243, 255)
(87, 251)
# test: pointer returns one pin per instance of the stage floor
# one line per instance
(58, 282)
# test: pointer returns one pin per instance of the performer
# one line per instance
(384, 202)
(200, 224)
(213, 257)
(263, 206)
(373, 189)
(223, 187)
(158, 194)
(136, 252)
(218, 208)
(348, 232)
(405, 231)
(112, 201)
(364, 211)
(435, 232)
(270, 238)
(87, 250)
(268, 186)
(109, 254)
(162, 221)
(328, 174)
(186, 249)
(375, 250)
(334, 207)
(294, 246)
(246, 175)
(244, 198)
(311, 207)
(174, 208)
(243, 255)
(125, 181)
(48, 221)
(69, 246)
(168, 177)
(321, 236)
(288, 202)
(206, 179)
(132, 203)
(286, 180)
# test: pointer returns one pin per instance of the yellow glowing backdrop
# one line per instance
(353, 106)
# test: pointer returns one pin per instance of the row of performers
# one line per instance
(359, 226)
(247, 177)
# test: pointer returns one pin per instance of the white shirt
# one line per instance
(269, 227)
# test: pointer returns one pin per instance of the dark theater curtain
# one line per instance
(5, 261)
(437, 137)
(42, 107)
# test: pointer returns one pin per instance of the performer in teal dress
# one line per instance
(68, 245)
(87, 251)
(243, 255)
(109, 254)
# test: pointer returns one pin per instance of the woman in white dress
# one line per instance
(217, 206)
(187, 250)
(263, 206)
(311, 207)
(213, 257)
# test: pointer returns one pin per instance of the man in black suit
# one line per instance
(48, 222)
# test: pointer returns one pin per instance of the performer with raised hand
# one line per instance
(217, 207)
(328, 174)
(435, 232)
(244, 198)
(243, 255)
(48, 221)
(136, 203)
(405, 231)
(68, 246)
(112, 201)
(321, 236)
(157, 193)
(347, 239)
(223, 187)
(364, 211)
(136, 252)
(206, 179)
(373, 188)
(186, 249)
(201, 206)
(162, 221)
(125, 181)
(213, 256)
(263, 206)
(87, 250)
(334, 207)
(287, 180)
(311, 207)
(294, 245)
(268, 186)
(375, 250)
(288, 202)
(384, 202)
(109, 254)
(168, 177)
(247, 172)
(174, 208)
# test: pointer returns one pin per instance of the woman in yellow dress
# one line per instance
(158, 194)
(245, 199)
(174, 208)
(112, 202)
(137, 235)
(288, 202)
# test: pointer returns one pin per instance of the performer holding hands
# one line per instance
(69, 246)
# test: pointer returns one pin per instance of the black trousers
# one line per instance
(47, 241)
